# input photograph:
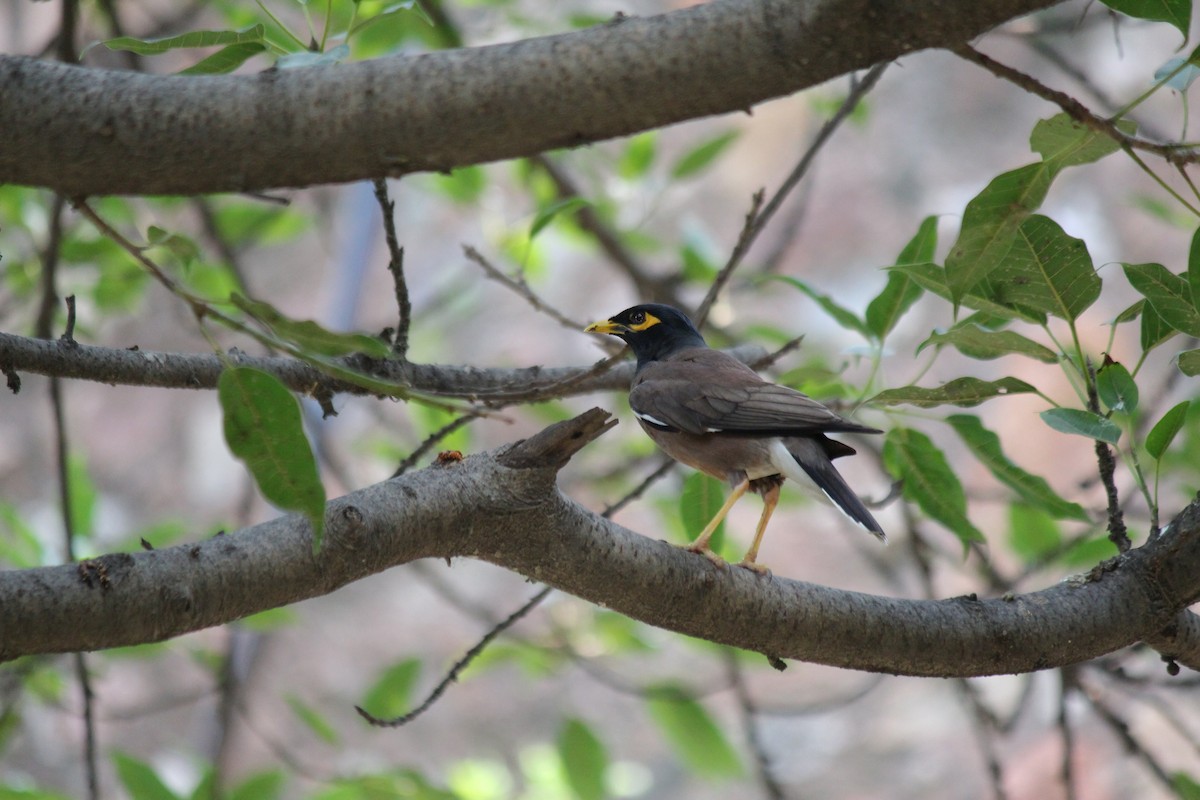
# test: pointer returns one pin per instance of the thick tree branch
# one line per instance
(93, 131)
(136, 367)
(503, 507)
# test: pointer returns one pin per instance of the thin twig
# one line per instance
(458, 667)
(757, 220)
(430, 441)
(521, 288)
(747, 710)
(647, 286)
(1117, 533)
(983, 725)
(1174, 153)
(1066, 686)
(50, 261)
(395, 267)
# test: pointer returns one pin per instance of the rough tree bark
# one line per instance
(93, 132)
(504, 507)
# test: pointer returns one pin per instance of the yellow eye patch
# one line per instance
(648, 322)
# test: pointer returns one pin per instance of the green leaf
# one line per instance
(264, 429)
(1032, 489)
(1168, 293)
(153, 47)
(313, 720)
(462, 184)
(1045, 270)
(927, 480)
(1185, 786)
(1082, 423)
(227, 59)
(1154, 330)
(1116, 388)
(310, 336)
(584, 759)
(932, 278)
(140, 780)
(1175, 12)
(1032, 533)
(638, 155)
(1189, 362)
(1165, 430)
(958, 392)
(391, 695)
(902, 290)
(697, 739)
(843, 316)
(1063, 142)
(260, 786)
(702, 497)
(546, 215)
(1193, 268)
(990, 224)
(973, 341)
(702, 155)
(82, 494)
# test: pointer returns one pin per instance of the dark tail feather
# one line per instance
(827, 478)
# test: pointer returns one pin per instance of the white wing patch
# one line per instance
(649, 420)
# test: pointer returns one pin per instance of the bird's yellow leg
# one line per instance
(700, 545)
(770, 499)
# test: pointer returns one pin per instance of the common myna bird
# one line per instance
(708, 410)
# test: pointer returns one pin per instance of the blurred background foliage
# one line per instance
(960, 259)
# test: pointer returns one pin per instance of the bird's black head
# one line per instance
(653, 330)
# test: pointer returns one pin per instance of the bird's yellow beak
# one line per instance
(606, 326)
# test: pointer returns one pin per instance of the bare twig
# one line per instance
(748, 711)
(431, 441)
(1173, 153)
(757, 220)
(521, 288)
(395, 267)
(50, 261)
(646, 285)
(458, 667)
(1067, 685)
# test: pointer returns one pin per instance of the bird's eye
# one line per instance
(637, 317)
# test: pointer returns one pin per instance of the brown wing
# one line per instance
(707, 391)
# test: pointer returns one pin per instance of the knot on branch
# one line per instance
(555, 445)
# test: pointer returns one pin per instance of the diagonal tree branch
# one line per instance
(93, 131)
(503, 507)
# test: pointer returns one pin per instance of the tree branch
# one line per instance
(136, 367)
(93, 131)
(503, 507)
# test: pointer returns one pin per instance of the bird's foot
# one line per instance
(754, 566)
(708, 553)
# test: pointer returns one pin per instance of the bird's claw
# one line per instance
(754, 566)
(708, 553)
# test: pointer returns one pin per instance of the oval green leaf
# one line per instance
(973, 341)
(263, 428)
(927, 480)
(1116, 388)
(702, 497)
(1189, 362)
(958, 392)
(1032, 489)
(584, 760)
(1165, 430)
(693, 734)
(1168, 293)
(1082, 423)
